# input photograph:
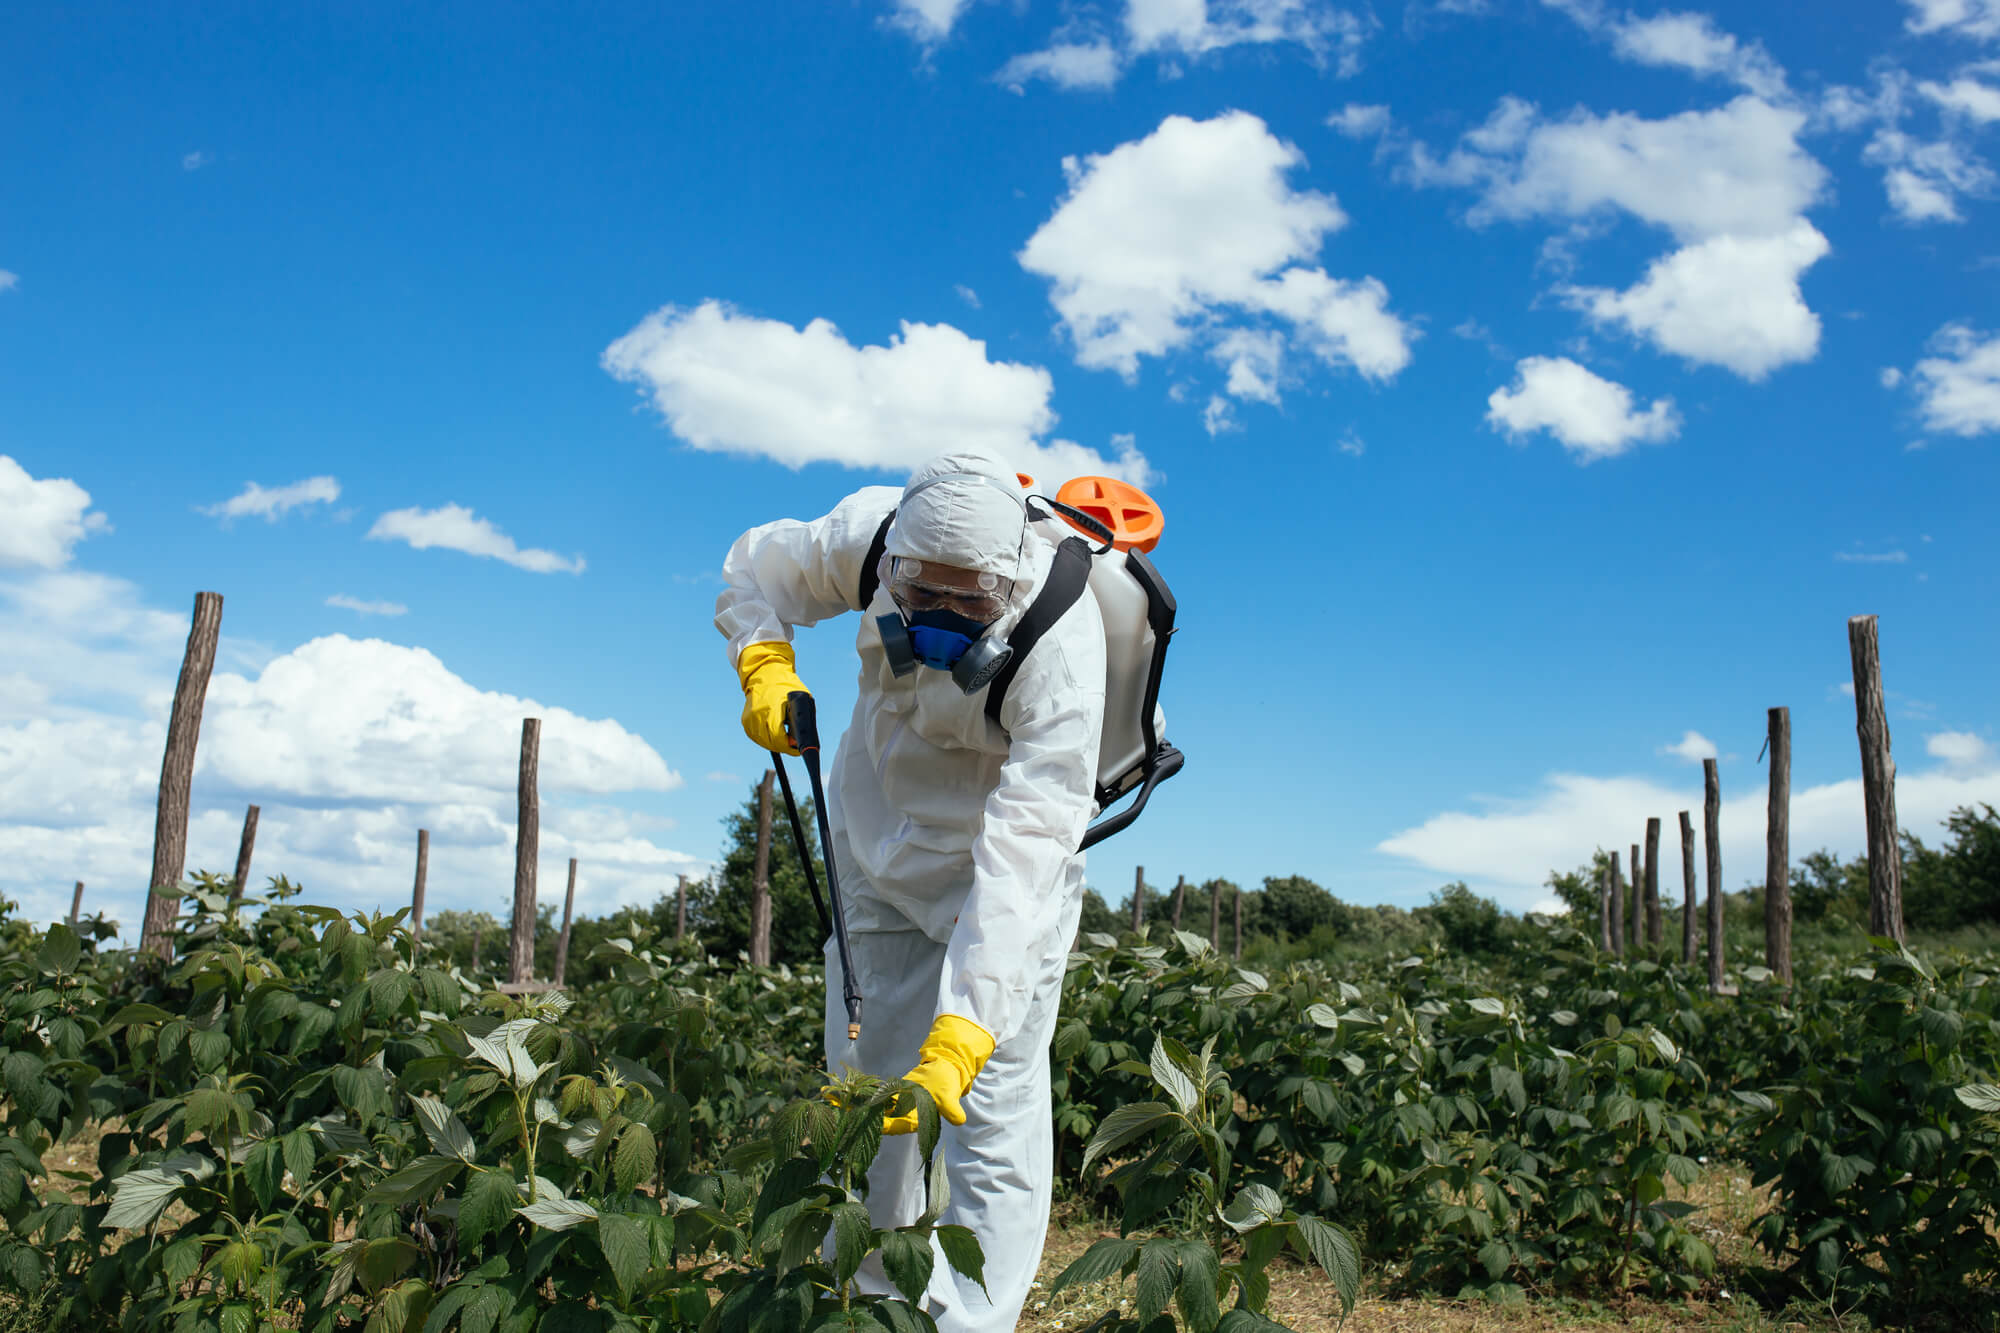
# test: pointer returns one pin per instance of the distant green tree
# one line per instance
(1823, 888)
(1958, 883)
(1295, 906)
(719, 907)
(1578, 889)
(1097, 915)
(1470, 924)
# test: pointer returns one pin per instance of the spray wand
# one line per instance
(802, 722)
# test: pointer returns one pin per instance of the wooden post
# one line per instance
(1239, 924)
(1711, 830)
(76, 903)
(1180, 894)
(527, 850)
(1637, 922)
(1139, 898)
(1617, 908)
(1604, 936)
(760, 879)
(1777, 850)
(243, 849)
(680, 907)
(1878, 782)
(177, 775)
(1215, 915)
(478, 935)
(1655, 928)
(1687, 888)
(417, 894)
(562, 940)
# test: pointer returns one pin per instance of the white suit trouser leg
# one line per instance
(999, 1161)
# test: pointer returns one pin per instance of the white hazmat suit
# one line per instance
(955, 842)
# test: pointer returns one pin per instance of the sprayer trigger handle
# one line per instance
(802, 721)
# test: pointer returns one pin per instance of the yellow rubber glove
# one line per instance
(768, 679)
(950, 1058)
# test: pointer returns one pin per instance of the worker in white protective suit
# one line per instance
(955, 840)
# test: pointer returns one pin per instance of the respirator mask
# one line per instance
(947, 610)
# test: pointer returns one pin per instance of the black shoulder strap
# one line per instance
(1068, 576)
(870, 580)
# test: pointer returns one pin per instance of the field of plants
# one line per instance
(296, 1125)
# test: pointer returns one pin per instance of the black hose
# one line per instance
(803, 721)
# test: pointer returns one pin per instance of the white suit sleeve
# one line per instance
(791, 572)
(1033, 822)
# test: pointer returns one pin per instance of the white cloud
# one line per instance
(1591, 416)
(195, 161)
(1359, 122)
(929, 21)
(1959, 383)
(1693, 747)
(1968, 97)
(1197, 27)
(1872, 557)
(349, 746)
(1253, 358)
(355, 604)
(1970, 18)
(1891, 377)
(1192, 233)
(42, 520)
(1508, 849)
(1734, 170)
(967, 295)
(453, 527)
(1925, 180)
(1730, 301)
(1692, 42)
(1218, 417)
(270, 505)
(9, 281)
(1351, 444)
(1068, 65)
(720, 775)
(728, 382)
(1960, 749)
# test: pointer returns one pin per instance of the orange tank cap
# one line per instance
(1132, 515)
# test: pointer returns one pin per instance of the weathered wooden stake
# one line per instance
(177, 775)
(1777, 850)
(1604, 909)
(417, 893)
(1637, 922)
(527, 850)
(562, 940)
(1711, 832)
(76, 903)
(681, 907)
(240, 882)
(1878, 782)
(1239, 925)
(1617, 908)
(1656, 930)
(1215, 916)
(1687, 888)
(1180, 894)
(1139, 898)
(478, 937)
(760, 878)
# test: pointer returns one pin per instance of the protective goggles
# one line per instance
(920, 586)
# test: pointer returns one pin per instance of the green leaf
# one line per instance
(1980, 1096)
(1196, 1295)
(1663, 1045)
(1159, 1273)
(1323, 1015)
(489, 1201)
(264, 1167)
(852, 1233)
(1176, 1084)
(627, 1248)
(634, 1158)
(1334, 1251)
(141, 1195)
(1124, 1125)
(419, 1180)
(907, 1259)
(1107, 1258)
(1253, 1206)
(60, 950)
(447, 1133)
(962, 1251)
(1486, 1004)
(237, 1317)
(1837, 1172)
(557, 1214)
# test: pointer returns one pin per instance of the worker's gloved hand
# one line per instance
(950, 1058)
(766, 670)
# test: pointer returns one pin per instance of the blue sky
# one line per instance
(1533, 391)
